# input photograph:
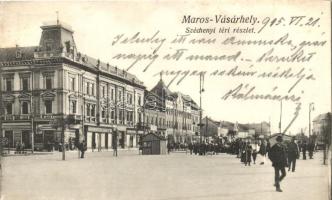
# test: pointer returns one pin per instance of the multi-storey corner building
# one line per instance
(51, 81)
(155, 115)
(181, 114)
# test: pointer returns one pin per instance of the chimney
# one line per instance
(98, 63)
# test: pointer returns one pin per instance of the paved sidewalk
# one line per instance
(161, 177)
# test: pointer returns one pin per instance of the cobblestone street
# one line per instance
(172, 177)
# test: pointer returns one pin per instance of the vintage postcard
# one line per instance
(165, 100)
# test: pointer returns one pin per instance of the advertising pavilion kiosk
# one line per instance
(153, 144)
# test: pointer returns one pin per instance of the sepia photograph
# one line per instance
(165, 100)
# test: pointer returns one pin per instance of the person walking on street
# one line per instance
(248, 153)
(311, 148)
(293, 154)
(304, 150)
(115, 150)
(190, 146)
(277, 154)
(262, 151)
(255, 149)
(23, 148)
(83, 148)
(195, 148)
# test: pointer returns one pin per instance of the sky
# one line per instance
(96, 24)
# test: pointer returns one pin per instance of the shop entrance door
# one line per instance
(48, 140)
(26, 139)
(106, 140)
(9, 136)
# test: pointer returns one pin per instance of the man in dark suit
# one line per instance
(311, 148)
(277, 154)
(304, 150)
(83, 148)
(293, 154)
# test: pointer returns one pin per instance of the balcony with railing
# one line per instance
(47, 54)
(75, 117)
(52, 54)
(15, 117)
(90, 119)
(104, 120)
(130, 123)
(46, 116)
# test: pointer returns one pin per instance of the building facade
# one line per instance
(322, 128)
(155, 115)
(181, 114)
(52, 88)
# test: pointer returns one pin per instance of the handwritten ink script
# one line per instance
(253, 50)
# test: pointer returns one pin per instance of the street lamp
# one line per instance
(201, 89)
(113, 107)
(185, 104)
(311, 108)
(61, 122)
(280, 116)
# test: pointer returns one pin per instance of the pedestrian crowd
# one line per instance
(282, 154)
(20, 148)
(197, 148)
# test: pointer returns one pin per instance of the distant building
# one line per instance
(155, 115)
(209, 128)
(322, 128)
(260, 129)
(181, 113)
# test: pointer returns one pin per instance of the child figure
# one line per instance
(255, 150)
(248, 154)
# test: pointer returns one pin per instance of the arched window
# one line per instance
(9, 108)
(87, 109)
(48, 106)
(25, 107)
(93, 110)
(73, 106)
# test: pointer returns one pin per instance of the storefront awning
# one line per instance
(131, 132)
(11, 126)
(99, 129)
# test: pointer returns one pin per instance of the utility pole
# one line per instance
(83, 113)
(311, 108)
(63, 138)
(1, 135)
(200, 105)
(32, 111)
(206, 127)
(270, 126)
(280, 116)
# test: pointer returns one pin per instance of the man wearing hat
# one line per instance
(293, 154)
(277, 155)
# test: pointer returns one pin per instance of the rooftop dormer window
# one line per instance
(48, 46)
(67, 46)
(18, 53)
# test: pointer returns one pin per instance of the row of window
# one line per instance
(103, 93)
(91, 111)
(48, 84)
(155, 120)
(178, 112)
(169, 124)
(25, 107)
(25, 83)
